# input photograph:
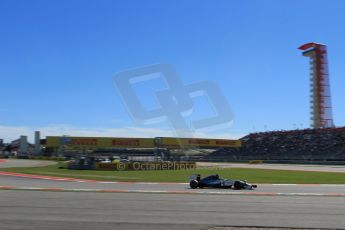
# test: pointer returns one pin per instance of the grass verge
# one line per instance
(252, 175)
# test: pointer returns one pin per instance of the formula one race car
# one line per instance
(213, 181)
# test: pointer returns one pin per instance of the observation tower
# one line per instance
(320, 91)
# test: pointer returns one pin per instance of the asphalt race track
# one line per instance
(42, 202)
(114, 208)
(89, 211)
(55, 183)
(9, 163)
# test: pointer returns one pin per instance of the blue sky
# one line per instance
(57, 60)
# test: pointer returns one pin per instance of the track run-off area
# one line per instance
(22, 181)
(18, 181)
(48, 202)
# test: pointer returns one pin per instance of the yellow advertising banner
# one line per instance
(170, 142)
(99, 142)
(162, 142)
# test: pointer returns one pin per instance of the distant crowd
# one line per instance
(307, 144)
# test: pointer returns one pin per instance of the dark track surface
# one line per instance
(89, 211)
(8, 163)
(265, 188)
(44, 210)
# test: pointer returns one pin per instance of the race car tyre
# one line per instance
(193, 184)
(237, 185)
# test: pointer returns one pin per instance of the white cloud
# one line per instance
(10, 133)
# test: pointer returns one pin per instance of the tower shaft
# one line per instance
(320, 91)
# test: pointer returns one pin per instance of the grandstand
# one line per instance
(308, 145)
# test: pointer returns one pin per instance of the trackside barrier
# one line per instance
(146, 166)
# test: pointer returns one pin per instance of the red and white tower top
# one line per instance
(320, 100)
